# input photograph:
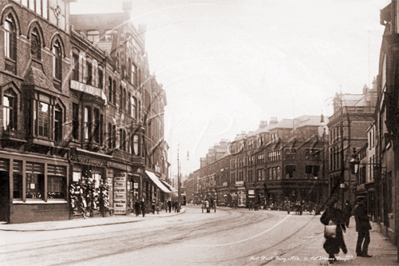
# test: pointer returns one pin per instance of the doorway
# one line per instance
(4, 196)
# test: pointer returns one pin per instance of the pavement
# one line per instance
(82, 223)
(383, 252)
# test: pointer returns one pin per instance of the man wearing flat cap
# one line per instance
(363, 227)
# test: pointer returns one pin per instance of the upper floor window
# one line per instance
(110, 89)
(75, 121)
(100, 78)
(9, 110)
(114, 92)
(75, 57)
(89, 67)
(97, 125)
(134, 75)
(57, 123)
(57, 61)
(39, 6)
(121, 98)
(87, 123)
(93, 35)
(133, 103)
(10, 39)
(35, 45)
(47, 117)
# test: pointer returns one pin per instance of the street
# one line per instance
(227, 237)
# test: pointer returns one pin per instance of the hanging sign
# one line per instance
(120, 193)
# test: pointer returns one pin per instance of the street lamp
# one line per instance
(354, 165)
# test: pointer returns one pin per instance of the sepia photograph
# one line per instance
(199, 132)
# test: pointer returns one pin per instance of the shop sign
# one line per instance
(85, 88)
(239, 183)
(251, 191)
(120, 166)
(120, 193)
(225, 184)
(87, 160)
(136, 185)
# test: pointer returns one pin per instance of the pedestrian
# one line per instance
(214, 205)
(334, 216)
(158, 206)
(153, 206)
(142, 205)
(169, 205)
(348, 212)
(137, 206)
(363, 227)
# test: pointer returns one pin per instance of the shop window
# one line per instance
(9, 110)
(57, 60)
(10, 43)
(75, 57)
(56, 182)
(17, 180)
(75, 121)
(34, 181)
(35, 45)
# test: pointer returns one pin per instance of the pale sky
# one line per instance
(228, 64)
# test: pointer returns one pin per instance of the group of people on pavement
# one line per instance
(336, 221)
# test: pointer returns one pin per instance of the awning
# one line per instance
(155, 179)
(169, 186)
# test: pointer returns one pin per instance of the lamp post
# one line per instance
(354, 165)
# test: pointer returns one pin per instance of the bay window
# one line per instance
(47, 117)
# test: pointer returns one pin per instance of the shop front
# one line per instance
(33, 188)
(90, 186)
(157, 188)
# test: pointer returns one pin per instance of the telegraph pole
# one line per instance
(178, 179)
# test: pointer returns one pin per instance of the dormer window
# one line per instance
(93, 36)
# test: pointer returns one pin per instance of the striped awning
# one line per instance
(155, 179)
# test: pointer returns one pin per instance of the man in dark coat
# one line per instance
(142, 205)
(348, 212)
(363, 227)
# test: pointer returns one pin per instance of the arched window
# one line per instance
(35, 45)
(9, 110)
(136, 145)
(121, 98)
(57, 60)
(9, 38)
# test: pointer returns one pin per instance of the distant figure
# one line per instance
(142, 205)
(169, 205)
(214, 205)
(207, 206)
(363, 227)
(153, 206)
(137, 207)
(348, 212)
